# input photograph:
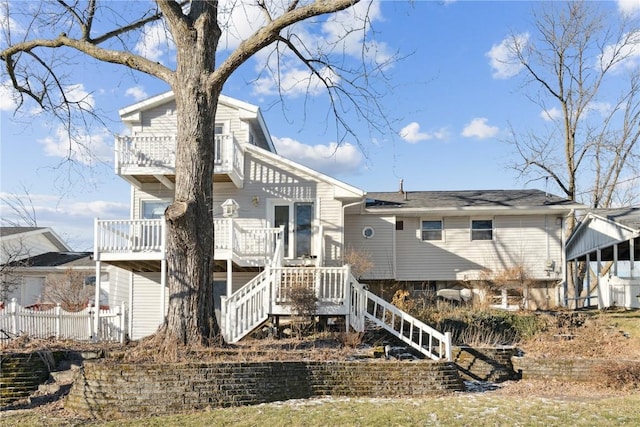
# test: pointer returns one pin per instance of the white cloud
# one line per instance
(83, 148)
(629, 8)
(294, 82)
(155, 42)
(623, 57)
(411, 133)
(238, 20)
(502, 58)
(551, 114)
(71, 219)
(7, 97)
(137, 92)
(76, 93)
(331, 159)
(8, 25)
(602, 108)
(478, 128)
(340, 35)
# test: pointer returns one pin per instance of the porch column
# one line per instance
(130, 317)
(229, 277)
(587, 278)
(632, 260)
(615, 260)
(576, 287)
(96, 304)
(163, 290)
(598, 269)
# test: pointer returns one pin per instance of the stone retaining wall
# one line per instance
(563, 369)
(485, 364)
(22, 373)
(109, 391)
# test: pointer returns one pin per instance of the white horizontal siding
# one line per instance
(378, 249)
(527, 240)
(146, 317)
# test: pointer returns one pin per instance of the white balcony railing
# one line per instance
(148, 236)
(151, 151)
(249, 242)
(128, 236)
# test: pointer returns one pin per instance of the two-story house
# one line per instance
(262, 199)
(278, 223)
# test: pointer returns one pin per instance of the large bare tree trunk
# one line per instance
(191, 317)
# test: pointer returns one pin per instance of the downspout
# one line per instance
(563, 260)
(344, 207)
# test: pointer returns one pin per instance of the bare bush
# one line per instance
(68, 290)
(620, 375)
(359, 261)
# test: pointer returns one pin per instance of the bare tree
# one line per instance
(12, 252)
(571, 63)
(107, 31)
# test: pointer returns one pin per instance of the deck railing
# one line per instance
(160, 151)
(328, 283)
(131, 235)
(57, 323)
(149, 236)
(245, 242)
(364, 305)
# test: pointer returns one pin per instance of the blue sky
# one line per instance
(450, 102)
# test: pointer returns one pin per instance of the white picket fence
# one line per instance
(57, 323)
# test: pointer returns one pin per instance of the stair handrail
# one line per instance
(277, 260)
(389, 315)
(255, 299)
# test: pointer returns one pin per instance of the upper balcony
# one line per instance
(139, 244)
(150, 158)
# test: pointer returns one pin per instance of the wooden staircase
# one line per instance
(338, 294)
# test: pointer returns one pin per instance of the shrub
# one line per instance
(620, 375)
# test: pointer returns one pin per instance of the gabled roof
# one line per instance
(341, 190)
(628, 217)
(468, 200)
(600, 228)
(8, 233)
(56, 259)
(247, 111)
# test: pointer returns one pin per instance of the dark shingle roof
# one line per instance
(626, 216)
(55, 259)
(467, 198)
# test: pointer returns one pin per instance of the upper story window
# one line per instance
(154, 209)
(482, 229)
(432, 229)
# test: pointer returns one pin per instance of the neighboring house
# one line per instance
(17, 244)
(608, 242)
(505, 244)
(278, 223)
(32, 254)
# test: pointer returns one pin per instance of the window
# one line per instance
(432, 230)
(154, 209)
(482, 229)
(368, 232)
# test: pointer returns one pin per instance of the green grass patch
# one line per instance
(477, 409)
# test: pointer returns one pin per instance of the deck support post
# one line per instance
(96, 303)
(163, 290)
